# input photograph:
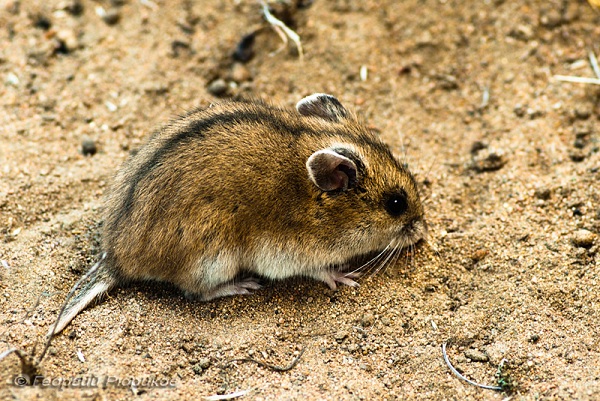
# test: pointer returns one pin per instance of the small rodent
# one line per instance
(249, 187)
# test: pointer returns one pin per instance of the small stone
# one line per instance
(180, 47)
(12, 79)
(476, 356)
(244, 50)
(218, 87)
(583, 238)
(542, 193)
(477, 146)
(447, 82)
(550, 18)
(577, 156)
(204, 363)
(67, 40)
(580, 142)
(367, 319)
(479, 255)
(42, 22)
(12, 6)
(353, 347)
(522, 32)
(239, 73)
(534, 338)
(533, 113)
(582, 111)
(88, 147)
(73, 7)
(519, 110)
(488, 160)
(582, 129)
(155, 88)
(340, 336)
(111, 17)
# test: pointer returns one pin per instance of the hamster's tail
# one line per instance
(97, 281)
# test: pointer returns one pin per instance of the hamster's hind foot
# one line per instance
(241, 287)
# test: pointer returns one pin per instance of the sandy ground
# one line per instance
(507, 159)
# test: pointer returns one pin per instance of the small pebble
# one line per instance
(577, 156)
(204, 363)
(522, 32)
(73, 7)
(244, 50)
(583, 111)
(340, 336)
(533, 113)
(353, 347)
(580, 142)
(542, 193)
(519, 110)
(239, 73)
(582, 129)
(447, 82)
(550, 18)
(111, 17)
(477, 146)
(155, 88)
(583, 238)
(488, 160)
(88, 147)
(476, 356)
(12, 79)
(367, 319)
(479, 255)
(180, 47)
(42, 22)
(218, 87)
(66, 38)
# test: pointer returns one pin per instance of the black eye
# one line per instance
(396, 204)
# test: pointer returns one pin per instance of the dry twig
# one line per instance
(460, 376)
(283, 30)
(229, 396)
(267, 365)
(583, 80)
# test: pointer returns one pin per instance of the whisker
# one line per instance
(385, 261)
(371, 261)
(394, 261)
(373, 268)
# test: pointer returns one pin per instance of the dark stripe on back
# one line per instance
(196, 130)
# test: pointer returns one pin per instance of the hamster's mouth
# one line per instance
(411, 233)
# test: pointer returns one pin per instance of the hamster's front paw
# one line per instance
(331, 277)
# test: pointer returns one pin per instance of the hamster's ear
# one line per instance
(322, 105)
(330, 171)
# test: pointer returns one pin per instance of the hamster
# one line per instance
(247, 187)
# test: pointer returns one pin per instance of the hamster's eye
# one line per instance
(396, 204)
